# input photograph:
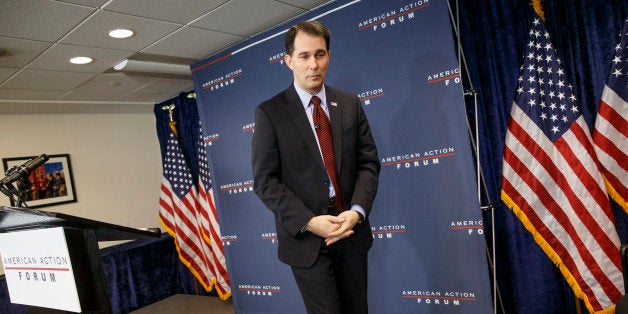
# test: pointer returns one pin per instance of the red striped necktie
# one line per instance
(326, 141)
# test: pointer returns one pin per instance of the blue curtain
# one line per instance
(493, 36)
(185, 114)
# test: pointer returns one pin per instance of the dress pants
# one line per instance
(337, 282)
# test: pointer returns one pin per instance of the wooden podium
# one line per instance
(71, 261)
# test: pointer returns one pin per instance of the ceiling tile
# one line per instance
(115, 83)
(41, 35)
(251, 17)
(166, 85)
(95, 31)
(156, 98)
(6, 73)
(46, 80)
(179, 11)
(21, 51)
(58, 58)
(191, 42)
(39, 19)
(308, 4)
(89, 3)
(29, 94)
(90, 96)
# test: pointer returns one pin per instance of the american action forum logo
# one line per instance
(438, 298)
(222, 80)
(416, 159)
(369, 96)
(277, 58)
(388, 231)
(249, 127)
(237, 187)
(469, 227)
(229, 239)
(446, 77)
(259, 290)
(269, 236)
(392, 17)
(210, 139)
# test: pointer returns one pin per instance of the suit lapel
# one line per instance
(335, 116)
(300, 120)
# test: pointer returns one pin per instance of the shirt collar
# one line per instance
(306, 97)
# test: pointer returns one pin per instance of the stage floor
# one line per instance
(181, 303)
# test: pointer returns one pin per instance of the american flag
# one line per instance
(610, 136)
(551, 181)
(180, 215)
(211, 228)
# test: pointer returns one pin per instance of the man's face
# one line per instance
(309, 62)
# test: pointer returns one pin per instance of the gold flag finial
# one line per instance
(538, 8)
(171, 123)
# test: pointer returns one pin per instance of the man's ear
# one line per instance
(288, 59)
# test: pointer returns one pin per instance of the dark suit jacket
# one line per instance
(290, 176)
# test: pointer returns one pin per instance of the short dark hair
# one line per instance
(314, 28)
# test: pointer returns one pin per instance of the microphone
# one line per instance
(317, 126)
(25, 169)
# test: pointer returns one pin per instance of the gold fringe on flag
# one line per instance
(538, 8)
(208, 286)
(615, 195)
(553, 256)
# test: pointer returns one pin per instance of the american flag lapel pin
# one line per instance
(333, 103)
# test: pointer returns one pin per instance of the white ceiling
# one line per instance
(41, 36)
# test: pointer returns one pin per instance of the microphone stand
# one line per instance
(7, 192)
(20, 196)
(15, 196)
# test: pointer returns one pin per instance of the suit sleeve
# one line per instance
(367, 162)
(290, 212)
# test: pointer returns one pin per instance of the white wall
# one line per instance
(115, 159)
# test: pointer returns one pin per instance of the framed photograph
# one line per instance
(49, 184)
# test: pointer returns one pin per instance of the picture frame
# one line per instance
(50, 184)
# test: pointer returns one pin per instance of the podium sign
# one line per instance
(38, 269)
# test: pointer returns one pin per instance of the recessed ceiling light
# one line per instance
(81, 60)
(121, 33)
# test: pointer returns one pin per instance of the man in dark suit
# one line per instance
(315, 166)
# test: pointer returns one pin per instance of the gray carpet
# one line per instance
(189, 304)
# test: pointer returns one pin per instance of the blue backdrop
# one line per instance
(398, 56)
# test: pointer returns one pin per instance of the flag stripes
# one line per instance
(218, 260)
(610, 135)
(551, 178)
(210, 222)
(178, 224)
(185, 214)
(562, 210)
